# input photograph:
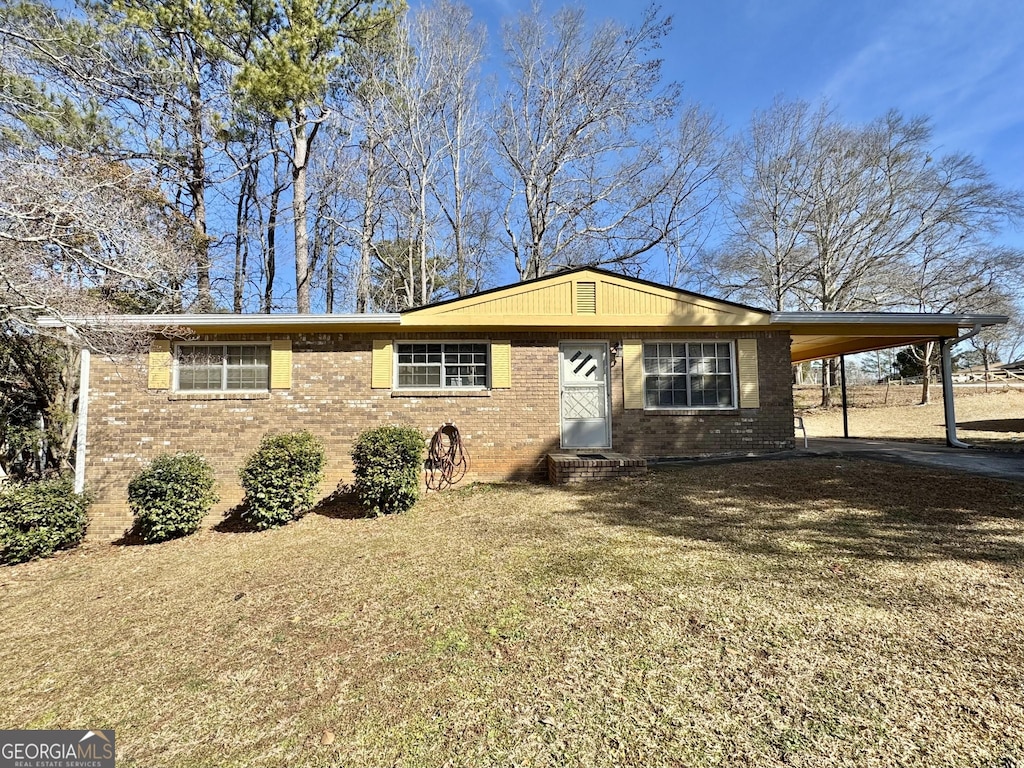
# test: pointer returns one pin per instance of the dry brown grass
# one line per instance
(994, 419)
(813, 612)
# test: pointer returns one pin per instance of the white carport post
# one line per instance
(946, 345)
(83, 421)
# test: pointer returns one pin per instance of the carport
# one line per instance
(825, 335)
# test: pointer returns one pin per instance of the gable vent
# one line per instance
(586, 298)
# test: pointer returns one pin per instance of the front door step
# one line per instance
(568, 467)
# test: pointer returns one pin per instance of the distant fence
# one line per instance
(896, 392)
(980, 377)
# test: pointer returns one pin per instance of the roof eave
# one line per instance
(217, 321)
(886, 318)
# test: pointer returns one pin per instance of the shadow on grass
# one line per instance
(130, 538)
(340, 505)
(827, 507)
(993, 425)
(233, 522)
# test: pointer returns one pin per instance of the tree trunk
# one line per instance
(300, 143)
(242, 240)
(197, 191)
(271, 260)
(826, 383)
(424, 290)
(72, 400)
(366, 231)
(329, 299)
(926, 367)
(985, 361)
(271, 266)
(461, 272)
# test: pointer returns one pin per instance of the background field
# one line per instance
(994, 419)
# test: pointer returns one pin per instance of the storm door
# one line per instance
(583, 379)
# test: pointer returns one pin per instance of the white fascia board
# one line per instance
(216, 321)
(886, 318)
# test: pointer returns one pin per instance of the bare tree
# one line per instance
(362, 174)
(767, 254)
(415, 208)
(999, 343)
(586, 146)
(838, 217)
(77, 237)
(446, 34)
(86, 236)
(413, 108)
(954, 274)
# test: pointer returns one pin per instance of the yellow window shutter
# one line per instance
(281, 364)
(632, 374)
(160, 364)
(501, 365)
(380, 378)
(750, 392)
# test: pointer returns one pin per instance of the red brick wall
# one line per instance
(696, 433)
(507, 433)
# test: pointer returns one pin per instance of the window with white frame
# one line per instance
(222, 367)
(691, 374)
(435, 365)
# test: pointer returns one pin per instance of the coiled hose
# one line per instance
(447, 460)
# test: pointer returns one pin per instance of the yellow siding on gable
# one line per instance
(281, 364)
(547, 300)
(585, 299)
(383, 351)
(632, 374)
(620, 300)
(750, 391)
(501, 365)
(160, 364)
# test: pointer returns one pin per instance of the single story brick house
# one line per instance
(582, 360)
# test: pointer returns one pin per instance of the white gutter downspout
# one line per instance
(946, 346)
(83, 421)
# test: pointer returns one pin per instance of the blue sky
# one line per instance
(959, 61)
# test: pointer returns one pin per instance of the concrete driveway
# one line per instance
(975, 461)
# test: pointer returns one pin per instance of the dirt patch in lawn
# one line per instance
(992, 420)
(813, 612)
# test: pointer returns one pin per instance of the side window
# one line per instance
(689, 375)
(441, 365)
(222, 367)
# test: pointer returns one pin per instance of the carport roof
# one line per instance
(819, 335)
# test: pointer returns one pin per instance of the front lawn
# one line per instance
(806, 612)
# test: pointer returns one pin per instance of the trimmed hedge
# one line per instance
(388, 465)
(281, 479)
(171, 496)
(38, 518)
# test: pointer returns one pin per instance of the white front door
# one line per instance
(583, 376)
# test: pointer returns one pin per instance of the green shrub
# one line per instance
(281, 479)
(388, 465)
(171, 496)
(38, 518)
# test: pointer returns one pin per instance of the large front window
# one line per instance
(223, 367)
(441, 366)
(688, 375)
